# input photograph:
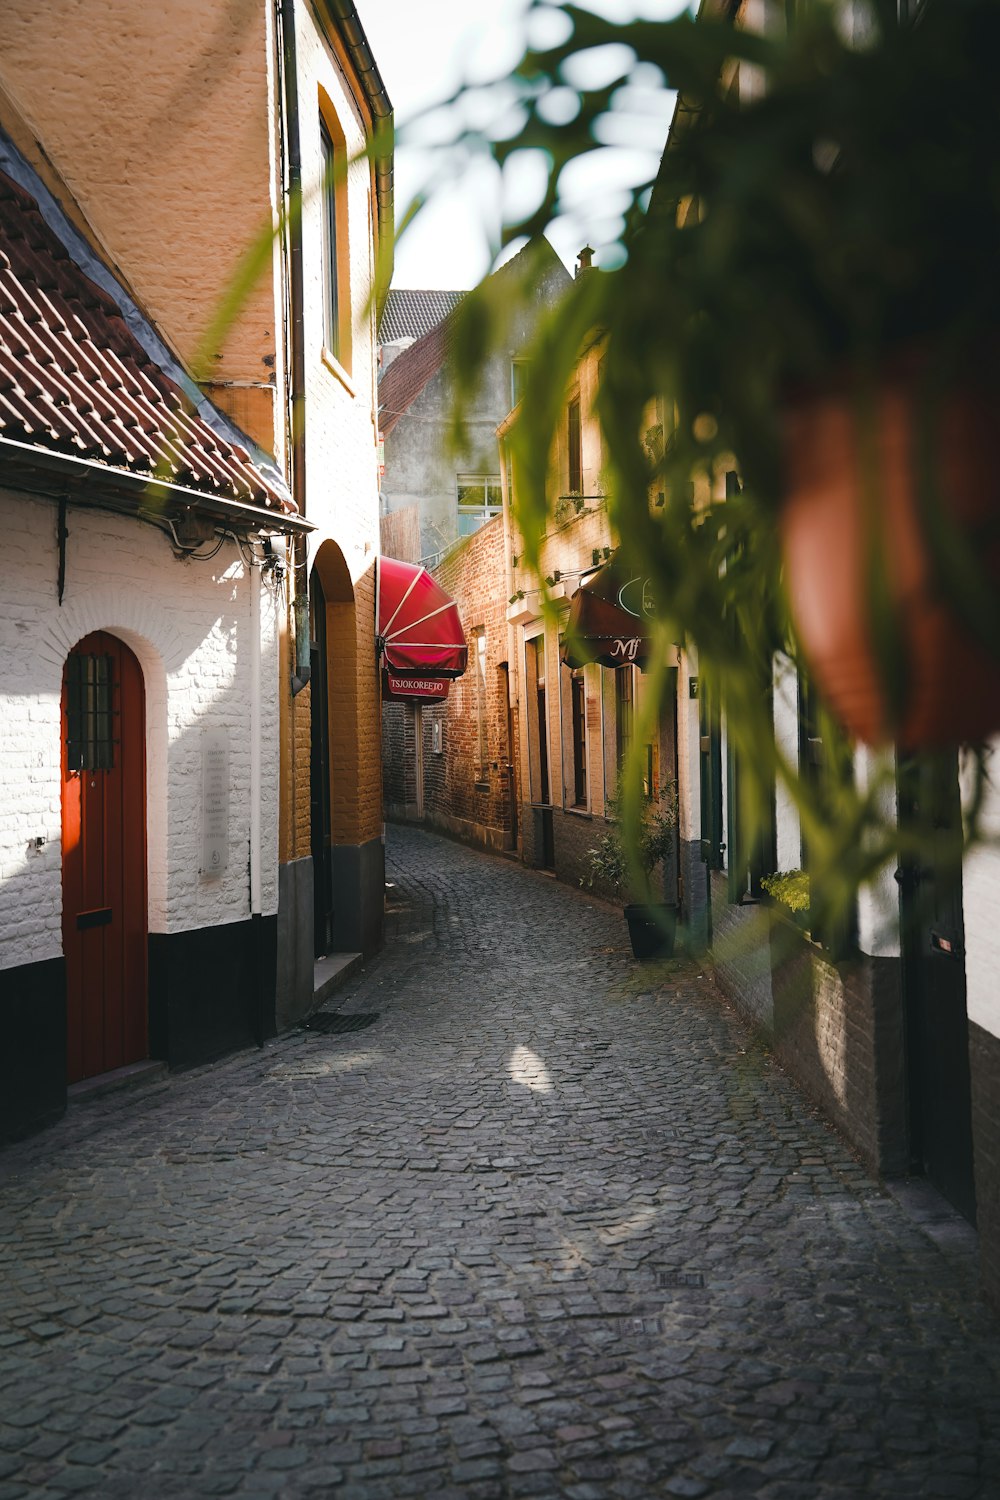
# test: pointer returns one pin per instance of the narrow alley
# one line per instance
(543, 1223)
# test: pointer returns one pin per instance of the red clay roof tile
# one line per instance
(75, 380)
(410, 371)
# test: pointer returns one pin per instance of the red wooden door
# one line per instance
(104, 856)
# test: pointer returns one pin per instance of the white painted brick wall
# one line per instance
(878, 902)
(788, 835)
(688, 750)
(188, 623)
(981, 900)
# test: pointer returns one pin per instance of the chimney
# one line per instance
(585, 260)
(389, 352)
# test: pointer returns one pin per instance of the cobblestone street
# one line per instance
(551, 1225)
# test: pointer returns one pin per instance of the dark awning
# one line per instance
(610, 619)
(420, 632)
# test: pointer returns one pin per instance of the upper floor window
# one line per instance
(574, 437)
(331, 310)
(624, 712)
(479, 497)
(482, 748)
(578, 719)
(518, 377)
(333, 230)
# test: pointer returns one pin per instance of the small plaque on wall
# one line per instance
(214, 801)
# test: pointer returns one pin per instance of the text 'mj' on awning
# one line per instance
(420, 635)
(610, 619)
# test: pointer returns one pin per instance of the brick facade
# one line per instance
(577, 540)
(464, 750)
(189, 625)
(400, 723)
(163, 142)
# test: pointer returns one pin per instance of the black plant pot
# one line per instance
(652, 930)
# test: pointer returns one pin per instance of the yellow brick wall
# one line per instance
(571, 538)
(158, 117)
(301, 716)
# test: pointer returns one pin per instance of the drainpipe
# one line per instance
(296, 293)
(256, 918)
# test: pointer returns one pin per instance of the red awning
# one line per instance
(610, 616)
(420, 633)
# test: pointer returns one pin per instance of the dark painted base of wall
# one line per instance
(984, 1060)
(358, 897)
(401, 812)
(293, 999)
(32, 1047)
(694, 894)
(476, 835)
(211, 991)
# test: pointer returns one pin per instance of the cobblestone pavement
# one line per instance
(550, 1226)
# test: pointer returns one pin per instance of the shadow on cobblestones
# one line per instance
(549, 1226)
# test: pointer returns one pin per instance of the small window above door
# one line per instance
(89, 713)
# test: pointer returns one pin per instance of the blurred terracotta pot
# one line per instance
(838, 521)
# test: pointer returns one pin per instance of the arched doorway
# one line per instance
(333, 759)
(104, 856)
(319, 773)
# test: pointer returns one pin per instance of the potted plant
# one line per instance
(807, 307)
(830, 309)
(623, 861)
(789, 890)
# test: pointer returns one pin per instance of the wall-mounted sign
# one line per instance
(214, 801)
(430, 689)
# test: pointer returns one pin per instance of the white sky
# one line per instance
(424, 50)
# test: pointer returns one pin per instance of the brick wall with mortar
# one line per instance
(577, 538)
(189, 625)
(575, 533)
(399, 751)
(741, 954)
(355, 730)
(300, 773)
(838, 1029)
(466, 786)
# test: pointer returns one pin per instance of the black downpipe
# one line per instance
(62, 535)
(296, 293)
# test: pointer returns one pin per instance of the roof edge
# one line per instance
(72, 477)
(142, 330)
(347, 24)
